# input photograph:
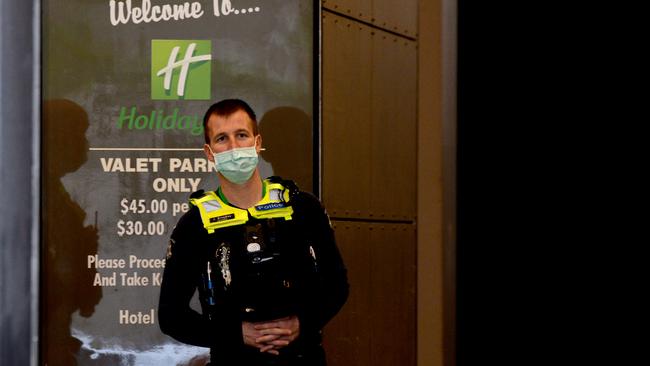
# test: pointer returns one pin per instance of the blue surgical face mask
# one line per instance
(238, 164)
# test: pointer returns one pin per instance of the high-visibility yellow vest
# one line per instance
(217, 214)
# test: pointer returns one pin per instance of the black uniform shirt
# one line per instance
(322, 298)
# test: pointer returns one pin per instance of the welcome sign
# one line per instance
(123, 12)
(125, 86)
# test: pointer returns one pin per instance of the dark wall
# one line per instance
(495, 198)
(17, 217)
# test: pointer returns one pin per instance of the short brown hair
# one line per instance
(225, 108)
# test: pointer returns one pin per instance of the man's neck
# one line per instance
(243, 195)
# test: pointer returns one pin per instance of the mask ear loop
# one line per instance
(213, 158)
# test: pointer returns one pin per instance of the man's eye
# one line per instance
(220, 138)
(242, 135)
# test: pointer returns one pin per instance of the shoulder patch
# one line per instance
(328, 218)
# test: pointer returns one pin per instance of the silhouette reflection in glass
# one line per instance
(287, 138)
(67, 282)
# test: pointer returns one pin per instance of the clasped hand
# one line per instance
(272, 335)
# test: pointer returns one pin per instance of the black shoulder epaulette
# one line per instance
(288, 184)
(198, 194)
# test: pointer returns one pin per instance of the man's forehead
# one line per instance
(238, 120)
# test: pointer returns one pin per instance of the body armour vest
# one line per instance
(257, 260)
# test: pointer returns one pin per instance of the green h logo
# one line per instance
(180, 69)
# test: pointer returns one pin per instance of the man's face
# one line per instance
(229, 132)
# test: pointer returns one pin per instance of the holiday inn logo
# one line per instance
(180, 69)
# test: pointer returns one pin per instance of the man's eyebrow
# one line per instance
(240, 130)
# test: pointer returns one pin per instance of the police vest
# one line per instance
(216, 214)
(249, 264)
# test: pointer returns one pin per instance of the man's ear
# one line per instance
(208, 152)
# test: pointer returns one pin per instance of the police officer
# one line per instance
(261, 254)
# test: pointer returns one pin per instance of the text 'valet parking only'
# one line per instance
(154, 165)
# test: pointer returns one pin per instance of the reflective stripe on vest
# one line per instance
(216, 214)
